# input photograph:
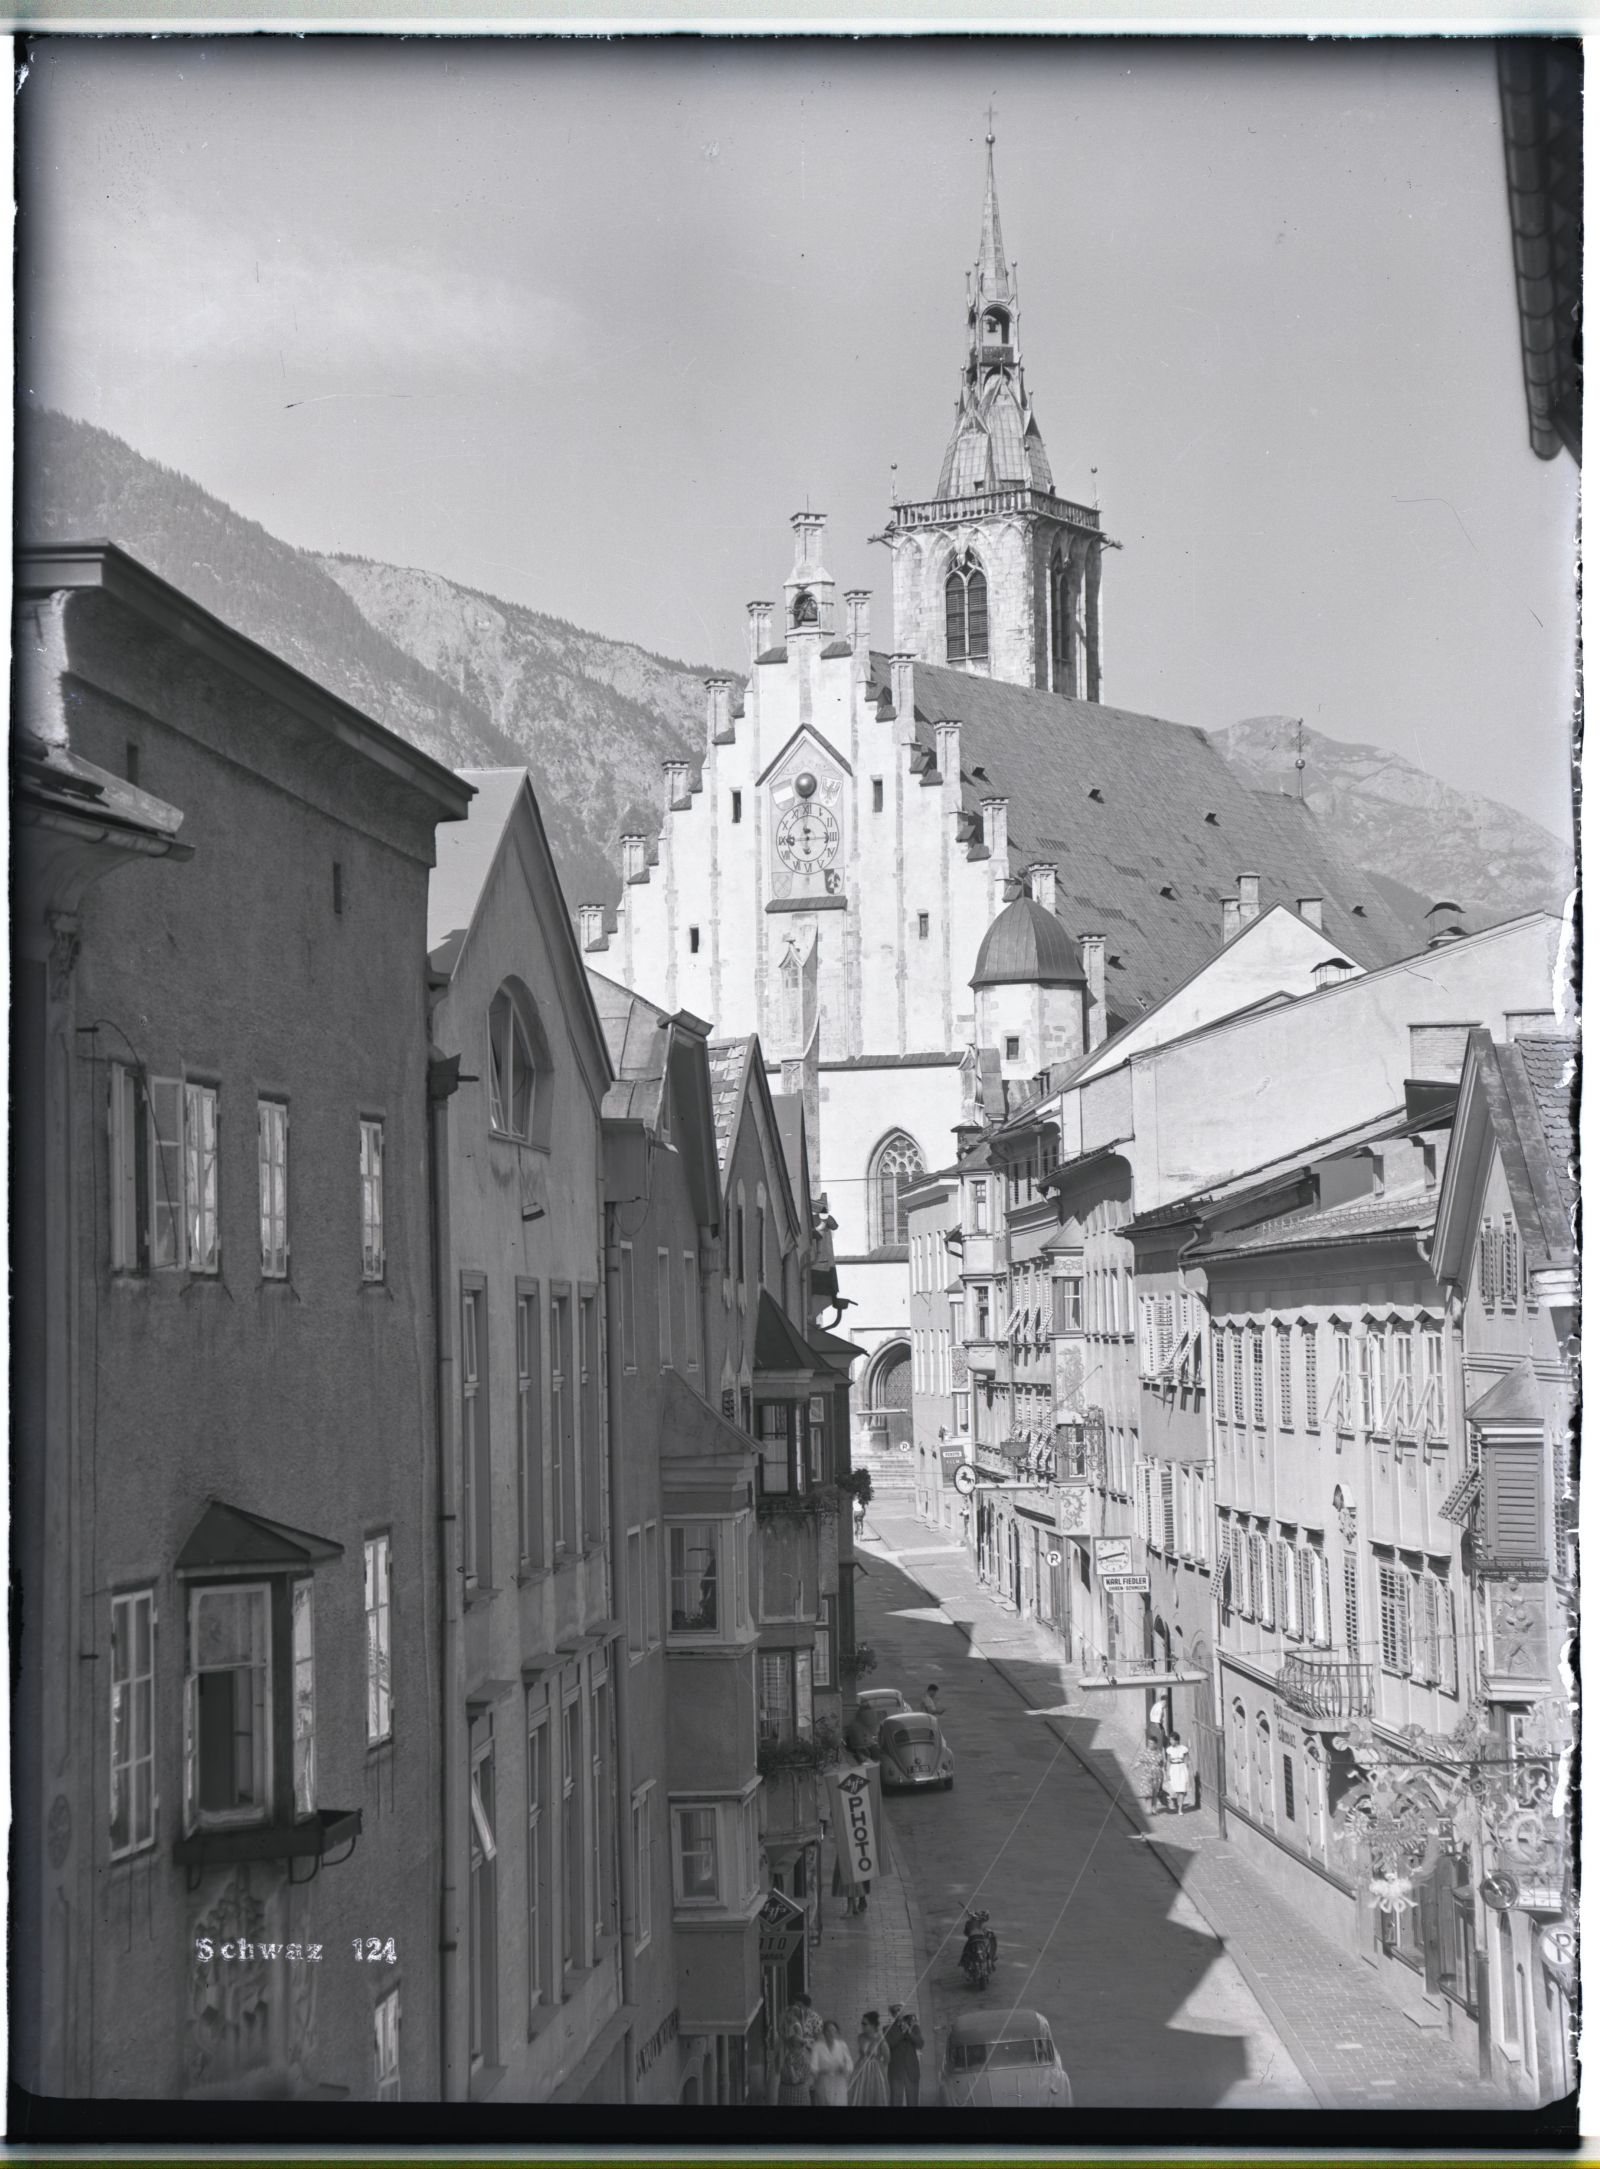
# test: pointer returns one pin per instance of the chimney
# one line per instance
(1331, 971)
(760, 616)
(676, 778)
(858, 608)
(949, 738)
(1310, 909)
(1249, 897)
(1230, 917)
(591, 926)
(994, 826)
(1042, 885)
(1092, 948)
(719, 710)
(900, 686)
(633, 867)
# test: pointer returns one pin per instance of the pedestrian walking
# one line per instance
(831, 2066)
(905, 2057)
(869, 2082)
(931, 1702)
(1175, 1777)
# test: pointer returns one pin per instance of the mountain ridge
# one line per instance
(480, 682)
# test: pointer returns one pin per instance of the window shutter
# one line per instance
(1169, 1533)
(1449, 1665)
(1426, 1591)
(1514, 1498)
(1352, 1609)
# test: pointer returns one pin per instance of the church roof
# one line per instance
(1027, 945)
(1171, 814)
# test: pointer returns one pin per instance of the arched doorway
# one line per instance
(888, 1399)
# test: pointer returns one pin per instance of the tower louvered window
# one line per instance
(966, 612)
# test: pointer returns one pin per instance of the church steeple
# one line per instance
(995, 573)
(996, 440)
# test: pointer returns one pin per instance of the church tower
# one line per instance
(996, 574)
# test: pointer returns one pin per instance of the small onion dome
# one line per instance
(1028, 946)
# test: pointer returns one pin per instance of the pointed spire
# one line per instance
(994, 275)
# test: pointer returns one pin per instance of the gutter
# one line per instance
(443, 1078)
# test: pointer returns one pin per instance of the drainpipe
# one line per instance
(443, 1078)
(621, 1669)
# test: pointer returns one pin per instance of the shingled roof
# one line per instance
(1170, 813)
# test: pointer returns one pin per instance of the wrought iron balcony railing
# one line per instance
(1326, 1690)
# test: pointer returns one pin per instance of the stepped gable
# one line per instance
(1148, 829)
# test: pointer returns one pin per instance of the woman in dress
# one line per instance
(869, 2082)
(831, 2066)
(794, 2061)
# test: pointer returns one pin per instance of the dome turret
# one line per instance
(1028, 946)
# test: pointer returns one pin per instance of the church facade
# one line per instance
(928, 875)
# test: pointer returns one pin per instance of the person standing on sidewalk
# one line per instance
(905, 2057)
(869, 2082)
(931, 1702)
(831, 2066)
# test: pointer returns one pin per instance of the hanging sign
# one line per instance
(1074, 1508)
(854, 1837)
(783, 1927)
(1113, 1555)
(965, 1478)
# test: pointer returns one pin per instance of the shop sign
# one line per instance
(1126, 1584)
(1558, 1948)
(782, 1929)
(649, 2050)
(854, 1836)
(965, 1478)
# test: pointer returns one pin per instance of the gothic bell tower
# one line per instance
(995, 573)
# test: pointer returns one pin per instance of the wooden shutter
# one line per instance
(1514, 1498)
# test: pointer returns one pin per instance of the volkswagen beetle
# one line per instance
(911, 1752)
(1003, 2060)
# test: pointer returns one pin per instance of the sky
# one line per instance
(582, 323)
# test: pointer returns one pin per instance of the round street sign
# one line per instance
(965, 1478)
(1052, 1558)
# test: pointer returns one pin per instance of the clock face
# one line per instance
(808, 837)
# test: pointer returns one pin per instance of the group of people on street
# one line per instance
(815, 2065)
(1162, 1767)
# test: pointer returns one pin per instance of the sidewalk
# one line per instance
(1354, 2047)
(869, 1960)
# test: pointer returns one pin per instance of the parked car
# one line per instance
(881, 1702)
(911, 1752)
(1003, 2060)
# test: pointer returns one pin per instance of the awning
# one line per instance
(231, 1540)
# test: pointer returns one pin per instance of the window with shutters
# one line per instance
(1425, 1611)
(1147, 1336)
(1236, 1365)
(1394, 1617)
(1444, 1607)
(1308, 1364)
(1238, 1575)
(1169, 1521)
(1219, 1371)
(1166, 1331)
(1258, 1378)
(1255, 1563)
(1202, 1515)
(1510, 1265)
(1289, 1608)
(1281, 1345)
(1432, 1415)
(1514, 1501)
(1343, 1401)
(1352, 1607)
(1488, 1264)
(1403, 1395)
(1271, 1581)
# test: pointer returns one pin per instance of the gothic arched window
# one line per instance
(896, 1165)
(966, 612)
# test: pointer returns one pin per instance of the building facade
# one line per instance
(533, 1973)
(225, 1455)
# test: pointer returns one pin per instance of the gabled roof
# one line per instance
(1159, 781)
(780, 1345)
(1513, 1399)
(231, 1539)
(651, 1051)
(466, 855)
(738, 1083)
(1516, 1099)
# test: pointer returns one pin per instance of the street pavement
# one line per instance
(1171, 1975)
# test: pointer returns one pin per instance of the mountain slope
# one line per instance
(1400, 824)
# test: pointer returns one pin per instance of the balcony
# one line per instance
(1328, 1691)
(1018, 497)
